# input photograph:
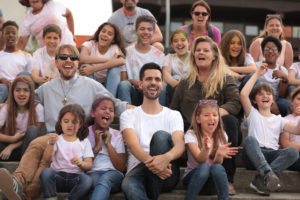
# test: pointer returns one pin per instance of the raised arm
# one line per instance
(22, 42)
(70, 20)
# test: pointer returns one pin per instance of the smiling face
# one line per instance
(295, 102)
(274, 28)
(106, 36)
(152, 84)
(69, 124)
(67, 68)
(264, 99)
(180, 44)
(51, 41)
(10, 36)
(104, 114)
(271, 53)
(203, 55)
(200, 20)
(208, 119)
(21, 94)
(145, 32)
(235, 47)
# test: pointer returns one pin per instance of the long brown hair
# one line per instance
(12, 106)
(219, 133)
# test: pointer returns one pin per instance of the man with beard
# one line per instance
(125, 18)
(154, 137)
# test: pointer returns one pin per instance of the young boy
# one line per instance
(136, 56)
(44, 68)
(261, 149)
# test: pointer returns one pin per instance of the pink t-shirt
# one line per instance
(22, 118)
(296, 67)
(52, 13)
(294, 120)
(65, 151)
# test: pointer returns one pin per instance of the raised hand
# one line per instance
(263, 68)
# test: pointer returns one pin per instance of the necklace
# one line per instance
(65, 100)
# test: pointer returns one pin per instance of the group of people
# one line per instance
(122, 71)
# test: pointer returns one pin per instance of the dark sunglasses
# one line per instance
(204, 14)
(72, 57)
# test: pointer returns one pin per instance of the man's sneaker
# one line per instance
(9, 186)
(272, 181)
(258, 184)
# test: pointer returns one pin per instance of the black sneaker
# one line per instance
(258, 184)
(271, 181)
(9, 186)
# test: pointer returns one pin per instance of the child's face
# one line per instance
(51, 41)
(144, 33)
(209, 119)
(180, 44)
(21, 94)
(69, 124)
(235, 47)
(104, 114)
(296, 101)
(106, 36)
(271, 52)
(10, 36)
(264, 99)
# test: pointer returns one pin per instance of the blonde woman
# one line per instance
(208, 79)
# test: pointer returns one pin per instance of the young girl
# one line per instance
(178, 62)
(109, 151)
(290, 140)
(241, 63)
(20, 119)
(72, 155)
(104, 53)
(207, 146)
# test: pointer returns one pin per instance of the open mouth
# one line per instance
(105, 118)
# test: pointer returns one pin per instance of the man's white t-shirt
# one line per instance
(266, 130)
(145, 125)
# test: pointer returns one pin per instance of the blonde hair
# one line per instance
(268, 19)
(217, 73)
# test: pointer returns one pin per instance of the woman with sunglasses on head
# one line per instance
(201, 15)
(208, 79)
(273, 27)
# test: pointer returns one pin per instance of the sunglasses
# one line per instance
(72, 57)
(208, 101)
(204, 14)
(273, 16)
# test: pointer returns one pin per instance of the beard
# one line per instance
(130, 6)
(149, 96)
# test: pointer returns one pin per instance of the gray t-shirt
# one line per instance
(127, 24)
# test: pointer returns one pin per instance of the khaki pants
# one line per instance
(28, 172)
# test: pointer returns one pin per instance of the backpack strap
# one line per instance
(210, 32)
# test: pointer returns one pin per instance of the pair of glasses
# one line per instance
(208, 101)
(277, 16)
(72, 57)
(270, 49)
(204, 14)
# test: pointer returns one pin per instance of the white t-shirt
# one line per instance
(22, 118)
(52, 13)
(44, 63)
(145, 125)
(65, 151)
(267, 77)
(102, 161)
(178, 67)
(92, 46)
(296, 67)
(11, 64)
(135, 60)
(248, 59)
(293, 120)
(266, 130)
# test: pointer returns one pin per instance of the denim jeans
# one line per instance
(141, 183)
(264, 159)
(3, 92)
(283, 104)
(296, 165)
(113, 78)
(208, 179)
(78, 185)
(31, 133)
(105, 182)
(127, 92)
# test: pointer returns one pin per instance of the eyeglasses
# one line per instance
(72, 57)
(208, 101)
(270, 49)
(204, 14)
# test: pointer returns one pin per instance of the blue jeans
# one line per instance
(264, 159)
(105, 182)
(127, 92)
(78, 185)
(208, 179)
(31, 133)
(283, 104)
(296, 165)
(3, 92)
(141, 183)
